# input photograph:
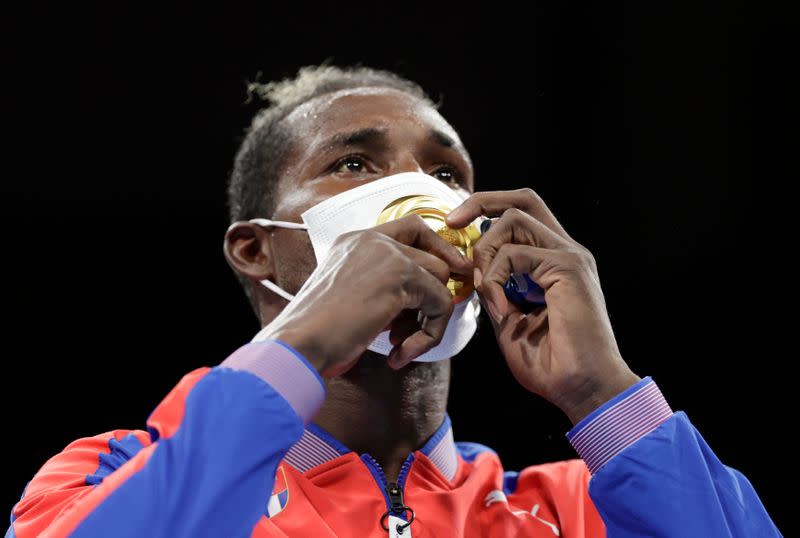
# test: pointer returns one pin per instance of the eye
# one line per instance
(450, 175)
(356, 164)
(351, 163)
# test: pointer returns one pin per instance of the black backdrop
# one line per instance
(654, 133)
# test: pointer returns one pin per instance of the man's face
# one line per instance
(346, 139)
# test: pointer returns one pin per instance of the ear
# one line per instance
(248, 250)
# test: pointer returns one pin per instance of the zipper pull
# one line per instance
(397, 505)
(395, 497)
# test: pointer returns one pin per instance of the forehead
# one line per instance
(319, 118)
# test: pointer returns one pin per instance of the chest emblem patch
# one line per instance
(280, 494)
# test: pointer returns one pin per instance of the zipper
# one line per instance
(392, 491)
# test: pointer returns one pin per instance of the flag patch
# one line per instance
(280, 494)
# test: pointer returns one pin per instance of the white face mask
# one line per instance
(358, 209)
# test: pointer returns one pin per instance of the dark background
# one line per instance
(658, 135)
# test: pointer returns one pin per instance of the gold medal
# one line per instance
(433, 212)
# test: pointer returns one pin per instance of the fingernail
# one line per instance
(477, 277)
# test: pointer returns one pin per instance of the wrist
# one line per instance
(302, 342)
(602, 393)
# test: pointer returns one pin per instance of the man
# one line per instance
(307, 432)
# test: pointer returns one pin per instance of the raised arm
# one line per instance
(653, 474)
(206, 466)
(208, 460)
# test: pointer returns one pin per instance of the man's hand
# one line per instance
(565, 351)
(373, 280)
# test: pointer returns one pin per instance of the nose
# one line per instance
(406, 162)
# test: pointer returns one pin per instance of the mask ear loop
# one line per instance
(281, 224)
(274, 287)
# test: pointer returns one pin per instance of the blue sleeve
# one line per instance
(212, 468)
(653, 474)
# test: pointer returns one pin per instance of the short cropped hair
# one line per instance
(260, 158)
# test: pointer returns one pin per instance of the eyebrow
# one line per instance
(377, 136)
(367, 136)
(440, 138)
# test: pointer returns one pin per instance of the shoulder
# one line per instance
(92, 457)
(80, 466)
(552, 492)
(570, 476)
(570, 470)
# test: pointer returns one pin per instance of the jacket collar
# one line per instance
(317, 446)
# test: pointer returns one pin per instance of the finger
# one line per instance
(411, 230)
(510, 323)
(494, 203)
(435, 266)
(514, 227)
(436, 305)
(516, 259)
(493, 317)
(406, 324)
(409, 321)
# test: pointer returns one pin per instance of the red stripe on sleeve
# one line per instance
(167, 417)
(74, 513)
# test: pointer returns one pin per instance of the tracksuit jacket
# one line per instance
(231, 451)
